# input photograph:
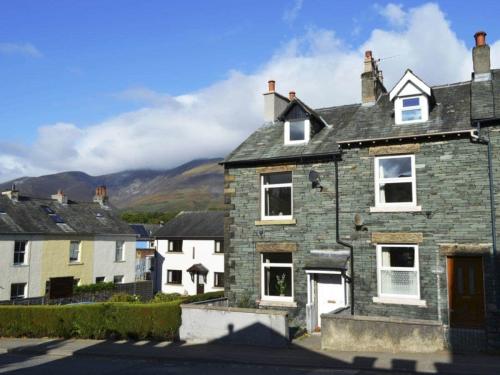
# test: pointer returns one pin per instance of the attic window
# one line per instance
(297, 132)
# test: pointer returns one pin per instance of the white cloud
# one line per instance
(291, 14)
(393, 13)
(210, 122)
(24, 49)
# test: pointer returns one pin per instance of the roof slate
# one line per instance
(450, 111)
(194, 224)
(27, 216)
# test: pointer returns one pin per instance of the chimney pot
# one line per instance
(480, 38)
(101, 195)
(271, 85)
(291, 95)
(60, 197)
(368, 55)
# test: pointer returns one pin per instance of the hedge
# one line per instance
(158, 321)
(109, 320)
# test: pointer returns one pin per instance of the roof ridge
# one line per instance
(337, 106)
(451, 84)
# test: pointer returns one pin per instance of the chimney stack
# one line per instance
(481, 58)
(60, 197)
(291, 95)
(274, 103)
(12, 194)
(101, 195)
(372, 85)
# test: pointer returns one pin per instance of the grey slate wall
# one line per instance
(452, 188)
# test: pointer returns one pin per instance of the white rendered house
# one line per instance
(190, 253)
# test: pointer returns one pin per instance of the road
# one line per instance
(84, 365)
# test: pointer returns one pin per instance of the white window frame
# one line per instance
(79, 252)
(119, 250)
(415, 268)
(19, 296)
(219, 247)
(118, 282)
(25, 258)
(399, 109)
(216, 278)
(396, 206)
(262, 280)
(264, 187)
(307, 133)
(170, 273)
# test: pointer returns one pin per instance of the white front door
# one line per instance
(331, 293)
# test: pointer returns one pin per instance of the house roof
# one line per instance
(145, 231)
(194, 224)
(450, 112)
(47, 216)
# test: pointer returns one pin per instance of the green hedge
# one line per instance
(158, 321)
(94, 288)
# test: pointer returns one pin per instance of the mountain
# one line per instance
(196, 185)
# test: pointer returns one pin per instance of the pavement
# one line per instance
(303, 353)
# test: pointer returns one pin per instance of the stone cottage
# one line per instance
(382, 209)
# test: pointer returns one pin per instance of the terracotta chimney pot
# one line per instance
(271, 85)
(368, 55)
(291, 95)
(480, 37)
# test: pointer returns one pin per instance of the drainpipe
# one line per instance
(476, 135)
(337, 234)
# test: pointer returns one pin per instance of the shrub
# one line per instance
(159, 321)
(202, 297)
(166, 297)
(93, 288)
(123, 297)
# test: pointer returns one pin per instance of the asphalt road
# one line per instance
(85, 365)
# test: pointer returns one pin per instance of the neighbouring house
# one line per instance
(384, 208)
(145, 251)
(190, 251)
(57, 242)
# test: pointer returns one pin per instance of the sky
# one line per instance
(104, 86)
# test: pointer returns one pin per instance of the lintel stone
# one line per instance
(397, 237)
(450, 249)
(275, 247)
(276, 168)
(409, 148)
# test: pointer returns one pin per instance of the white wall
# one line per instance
(29, 273)
(104, 258)
(203, 253)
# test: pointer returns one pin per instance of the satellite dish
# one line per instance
(315, 179)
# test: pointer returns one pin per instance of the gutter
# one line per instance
(283, 159)
(415, 136)
(337, 236)
(476, 136)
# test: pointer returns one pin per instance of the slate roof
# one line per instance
(27, 215)
(199, 268)
(194, 224)
(145, 231)
(327, 260)
(450, 112)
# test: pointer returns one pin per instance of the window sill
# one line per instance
(75, 264)
(219, 253)
(20, 265)
(400, 301)
(397, 209)
(173, 284)
(276, 222)
(277, 303)
(120, 261)
(175, 252)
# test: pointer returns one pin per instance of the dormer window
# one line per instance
(411, 100)
(297, 132)
(410, 110)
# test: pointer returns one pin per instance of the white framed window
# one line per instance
(277, 277)
(74, 251)
(175, 246)
(395, 182)
(20, 250)
(118, 279)
(411, 109)
(398, 271)
(276, 196)
(219, 247)
(174, 277)
(17, 291)
(297, 132)
(119, 251)
(219, 279)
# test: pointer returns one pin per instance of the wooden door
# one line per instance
(466, 292)
(200, 287)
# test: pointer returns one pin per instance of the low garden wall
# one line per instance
(217, 323)
(380, 334)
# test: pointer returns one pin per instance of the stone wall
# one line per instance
(452, 189)
(378, 334)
